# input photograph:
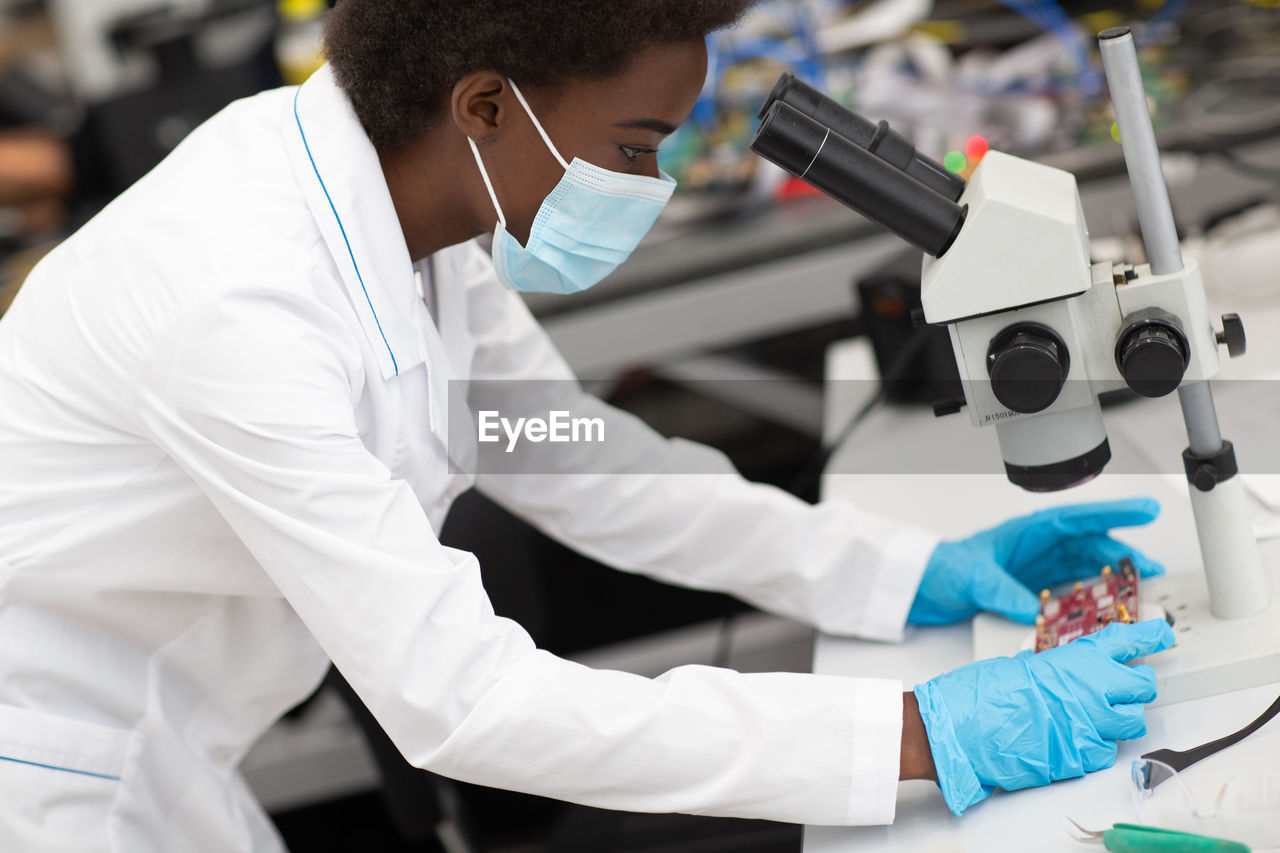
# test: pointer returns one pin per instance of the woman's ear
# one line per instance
(478, 103)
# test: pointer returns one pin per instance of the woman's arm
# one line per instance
(672, 509)
(251, 399)
(915, 761)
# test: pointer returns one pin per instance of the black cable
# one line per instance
(807, 479)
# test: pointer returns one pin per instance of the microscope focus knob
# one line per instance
(1152, 353)
(1028, 364)
(1232, 335)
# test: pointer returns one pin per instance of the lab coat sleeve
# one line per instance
(252, 399)
(676, 510)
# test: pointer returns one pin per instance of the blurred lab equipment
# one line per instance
(137, 127)
(35, 180)
(299, 44)
(889, 301)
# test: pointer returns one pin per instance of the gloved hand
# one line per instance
(1031, 719)
(998, 569)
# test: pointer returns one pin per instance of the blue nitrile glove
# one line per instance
(1031, 719)
(998, 569)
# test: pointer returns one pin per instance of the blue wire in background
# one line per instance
(1049, 16)
(800, 53)
(1168, 13)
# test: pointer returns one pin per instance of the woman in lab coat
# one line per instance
(226, 452)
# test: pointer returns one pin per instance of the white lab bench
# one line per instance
(905, 463)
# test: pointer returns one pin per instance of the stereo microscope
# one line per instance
(1039, 331)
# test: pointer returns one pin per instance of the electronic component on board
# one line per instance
(1083, 607)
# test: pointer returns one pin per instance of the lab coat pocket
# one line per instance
(59, 781)
(55, 743)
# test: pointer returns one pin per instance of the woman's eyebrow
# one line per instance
(656, 125)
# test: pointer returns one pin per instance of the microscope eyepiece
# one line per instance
(879, 139)
(852, 175)
(790, 139)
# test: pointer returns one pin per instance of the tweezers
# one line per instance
(1155, 774)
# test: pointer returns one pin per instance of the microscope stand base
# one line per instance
(1211, 655)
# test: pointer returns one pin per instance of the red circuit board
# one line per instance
(1074, 610)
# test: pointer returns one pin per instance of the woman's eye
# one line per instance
(633, 153)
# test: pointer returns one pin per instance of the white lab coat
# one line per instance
(223, 464)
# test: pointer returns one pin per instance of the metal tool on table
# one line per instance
(1162, 763)
(1133, 838)
(1240, 803)
(1039, 332)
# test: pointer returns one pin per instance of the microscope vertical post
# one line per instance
(1141, 156)
(1233, 564)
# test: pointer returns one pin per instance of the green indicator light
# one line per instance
(954, 162)
(1115, 131)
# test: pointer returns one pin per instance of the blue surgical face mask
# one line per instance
(591, 222)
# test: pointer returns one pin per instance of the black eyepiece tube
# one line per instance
(879, 139)
(853, 176)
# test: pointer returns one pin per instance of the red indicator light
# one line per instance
(975, 147)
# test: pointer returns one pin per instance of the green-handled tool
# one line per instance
(1133, 838)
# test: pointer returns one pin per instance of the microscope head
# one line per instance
(1038, 331)
(1011, 289)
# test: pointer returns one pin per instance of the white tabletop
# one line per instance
(905, 463)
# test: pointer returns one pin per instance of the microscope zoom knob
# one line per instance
(1028, 365)
(1152, 359)
(1232, 335)
(1205, 477)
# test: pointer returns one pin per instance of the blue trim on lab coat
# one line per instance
(341, 228)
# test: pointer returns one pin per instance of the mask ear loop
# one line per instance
(484, 173)
(537, 124)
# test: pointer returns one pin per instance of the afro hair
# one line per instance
(397, 60)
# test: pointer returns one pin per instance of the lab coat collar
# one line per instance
(341, 177)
